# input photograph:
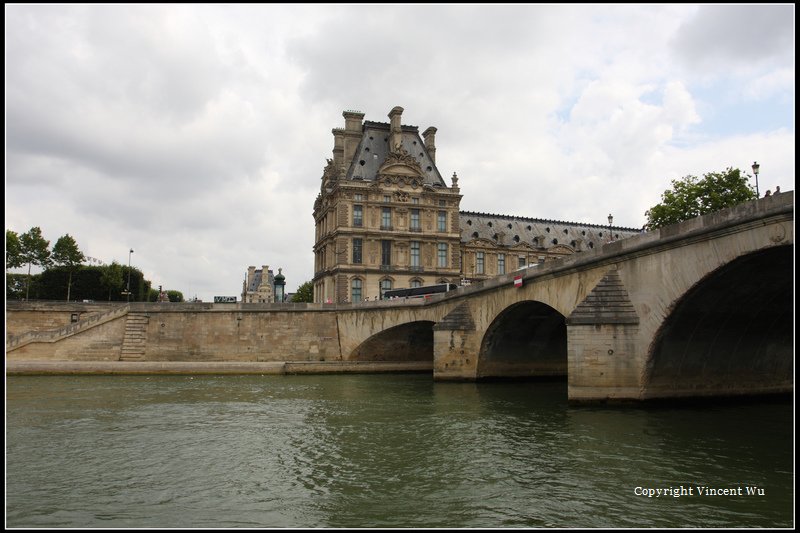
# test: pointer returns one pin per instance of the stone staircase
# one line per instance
(58, 334)
(135, 340)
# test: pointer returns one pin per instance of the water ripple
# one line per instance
(376, 451)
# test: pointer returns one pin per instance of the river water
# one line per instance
(387, 450)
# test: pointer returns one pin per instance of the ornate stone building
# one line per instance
(258, 285)
(386, 219)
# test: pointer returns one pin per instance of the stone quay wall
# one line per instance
(162, 332)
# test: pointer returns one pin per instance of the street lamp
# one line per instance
(128, 290)
(610, 221)
(756, 166)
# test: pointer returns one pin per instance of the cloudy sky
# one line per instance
(197, 135)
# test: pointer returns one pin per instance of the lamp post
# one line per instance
(610, 221)
(128, 290)
(756, 166)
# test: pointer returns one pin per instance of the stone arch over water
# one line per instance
(412, 341)
(730, 334)
(527, 339)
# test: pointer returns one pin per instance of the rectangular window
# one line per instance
(443, 254)
(386, 284)
(357, 251)
(386, 253)
(479, 262)
(522, 262)
(501, 263)
(415, 201)
(441, 221)
(414, 254)
(386, 218)
(358, 215)
(442, 203)
(355, 291)
(415, 220)
(357, 197)
(387, 198)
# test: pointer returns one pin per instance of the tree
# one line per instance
(67, 254)
(13, 250)
(111, 278)
(15, 286)
(175, 296)
(34, 251)
(305, 293)
(691, 197)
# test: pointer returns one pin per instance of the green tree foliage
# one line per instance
(175, 296)
(66, 254)
(111, 279)
(305, 293)
(63, 266)
(13, 250)
(691, 197)
(15, 286)
(34, 251)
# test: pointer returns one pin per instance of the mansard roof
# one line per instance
(540, 233)
(257, 280)
(373, 150)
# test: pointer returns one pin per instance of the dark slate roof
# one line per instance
(511, 230)
(255, 283)
(373, 150)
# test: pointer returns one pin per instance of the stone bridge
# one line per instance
(704, 307)
(701, 308)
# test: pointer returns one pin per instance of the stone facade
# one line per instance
(258, 285)
(386, 219)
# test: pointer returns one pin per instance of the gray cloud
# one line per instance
(722, 37)
(197, 134)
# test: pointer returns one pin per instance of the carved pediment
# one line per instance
(561, 249)
(392, 182)
(480, 242)
(400, 162)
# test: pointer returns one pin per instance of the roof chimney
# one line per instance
(352, 134)
(338, 148)
(430, 142)
(352, 120)
(396, 138)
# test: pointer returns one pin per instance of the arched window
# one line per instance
(416, 282)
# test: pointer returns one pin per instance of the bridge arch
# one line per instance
(412, 341)
(730, 334)
(527, 339)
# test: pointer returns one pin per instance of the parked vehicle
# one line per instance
(419, 292)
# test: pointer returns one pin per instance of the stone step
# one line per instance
(135, 339)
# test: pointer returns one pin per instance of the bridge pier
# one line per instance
(604, 362)
(456, 344)
(603, 356)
